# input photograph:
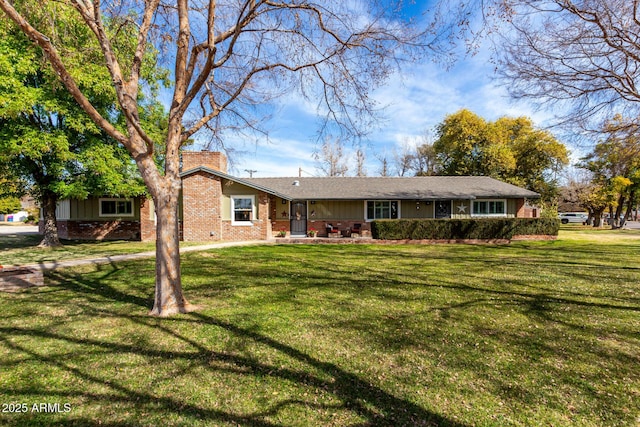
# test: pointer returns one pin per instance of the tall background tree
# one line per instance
(426, 159)
(579, 59)
(614, 165)
(510, 149)
(229, 58)
(332, 158)
(46, 140)
(582, 56)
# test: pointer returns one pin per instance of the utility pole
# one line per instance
(251, 172)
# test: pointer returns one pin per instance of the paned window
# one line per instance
(489, 208)
(242, 209)
(384, 209)
(116, 207)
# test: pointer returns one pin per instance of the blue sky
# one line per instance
(417, 99)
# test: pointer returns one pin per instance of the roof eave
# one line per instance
(234, 179)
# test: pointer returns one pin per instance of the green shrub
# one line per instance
(476, 228)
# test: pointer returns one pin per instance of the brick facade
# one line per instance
(202, 212)
(14, 279)
(202, 203)
(210, 159)
(147, 221)
(99, 230)
(259, 229)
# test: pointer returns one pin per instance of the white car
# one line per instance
(576, 217)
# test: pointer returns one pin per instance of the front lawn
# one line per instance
(528, 334)
(21, 249)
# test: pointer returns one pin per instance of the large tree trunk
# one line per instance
(597, 217)
(50, 236)
(630, 204)
(169, 298)
(617, 221)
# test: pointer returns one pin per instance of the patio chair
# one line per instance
(332, 231)
(356, 229)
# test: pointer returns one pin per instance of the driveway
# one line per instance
(18, 229)
(632, 225)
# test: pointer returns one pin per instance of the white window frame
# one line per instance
(233, 210)
(116, 200)
(495, 215)
(366, 209)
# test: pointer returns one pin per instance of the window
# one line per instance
(116, 207)
(242, 208)
(382, 209)
(489, 208)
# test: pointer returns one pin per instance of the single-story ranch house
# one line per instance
(218, 206)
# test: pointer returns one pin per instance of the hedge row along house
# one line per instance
(218, 206)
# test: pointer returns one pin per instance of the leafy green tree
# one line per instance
(509, 149)
(615, 167)
(539, 156)
(46, 139)
(230, 59)
(9, 205)
(459, 141)
(10, 190)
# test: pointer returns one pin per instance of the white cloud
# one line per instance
(279, 157)
(416, 101)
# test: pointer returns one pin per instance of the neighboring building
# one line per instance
(218, 206)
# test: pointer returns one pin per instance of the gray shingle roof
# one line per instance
(381, 188)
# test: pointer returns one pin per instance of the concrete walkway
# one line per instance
(52, 265)
(9, 228)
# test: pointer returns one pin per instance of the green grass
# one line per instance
(21, 249)
(528, 334)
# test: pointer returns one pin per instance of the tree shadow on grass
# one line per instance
(350, 393)
(93, 289)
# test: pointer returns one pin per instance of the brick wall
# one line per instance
(260, 229)
(147, 222)
(99, 230)
(13, 279)
(210, 159)
(520, 211)
(202, 205)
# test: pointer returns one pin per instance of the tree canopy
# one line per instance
(510, 149)
(46, 140)
(614, 165)
(228, 59)
(581, 55)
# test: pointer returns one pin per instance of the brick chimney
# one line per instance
(211, 159)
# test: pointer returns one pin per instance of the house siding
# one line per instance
(461, 209)
(89, 210)
(336, 209)
(80, 219)
(408, 209)
(205, 208)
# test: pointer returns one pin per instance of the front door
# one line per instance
(298, 218)
(443, 209)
